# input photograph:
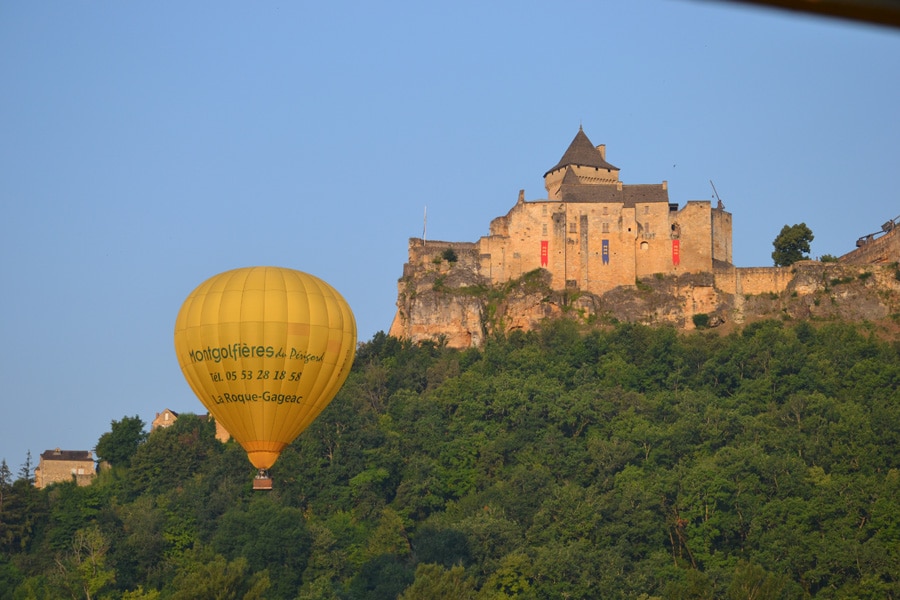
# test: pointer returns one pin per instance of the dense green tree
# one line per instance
(270, 537)
(512, 578)
(791, 244)
(434, 582)
(10, 578)
(26, 471)
(140, 594)
(627, 462)
(81, 569)
(119, 444)
(25, 514)
(388, 537)
(173, 454)
(6, 481)
(445, 547)
(751, 581)
(6, 478)
(381, 578)
(138, 554)
(211, 577)
(72, 508)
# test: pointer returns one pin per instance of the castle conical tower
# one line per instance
(581, 164)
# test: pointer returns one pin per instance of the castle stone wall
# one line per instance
(694, 235)
(883, 250)
(721, 235)
(596, 247)
(653, 242)
(749, 281)
(430, 254)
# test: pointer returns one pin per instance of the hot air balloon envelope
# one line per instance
(265, 349)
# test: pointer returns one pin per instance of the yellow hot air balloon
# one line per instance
(265, 349)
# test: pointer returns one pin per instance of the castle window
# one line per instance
(544, 210)
(646, 209)
(544, 230)
(573, 227)
(645, 246)
(606, 228)
(605, 210)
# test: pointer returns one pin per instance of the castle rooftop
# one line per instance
(582, 153)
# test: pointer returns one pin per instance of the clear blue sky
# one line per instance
(145, 146)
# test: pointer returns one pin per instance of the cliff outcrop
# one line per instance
(444, 299)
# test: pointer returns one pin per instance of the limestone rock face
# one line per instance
(449, 302)
(440, 296)
(428, 314)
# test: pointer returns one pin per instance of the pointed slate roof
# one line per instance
(570, 178)
(582, 153)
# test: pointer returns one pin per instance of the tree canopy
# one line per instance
(632, 462)
(792, 244)
(119, 444)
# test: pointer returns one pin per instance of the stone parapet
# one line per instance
(882, 250)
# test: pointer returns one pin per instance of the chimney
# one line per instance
(602, 150)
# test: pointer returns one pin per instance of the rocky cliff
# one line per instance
(445, 299)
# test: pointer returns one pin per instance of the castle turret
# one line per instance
(581, 164)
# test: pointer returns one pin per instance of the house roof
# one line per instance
(628, 196)
(582, 153)
(58, 454)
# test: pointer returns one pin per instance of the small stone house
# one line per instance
(167, 418)
(65, 465)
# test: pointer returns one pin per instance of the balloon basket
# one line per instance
(262, 481)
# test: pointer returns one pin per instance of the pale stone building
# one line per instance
(167, 418)
(594, 233)
(64, 465)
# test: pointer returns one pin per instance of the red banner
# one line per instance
(545, 252)
(676, 252)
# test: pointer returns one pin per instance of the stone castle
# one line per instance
(591, 239)
(594, 233)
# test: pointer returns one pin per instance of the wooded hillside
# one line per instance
(629, 463)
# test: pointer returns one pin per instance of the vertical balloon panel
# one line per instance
(265, 349)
